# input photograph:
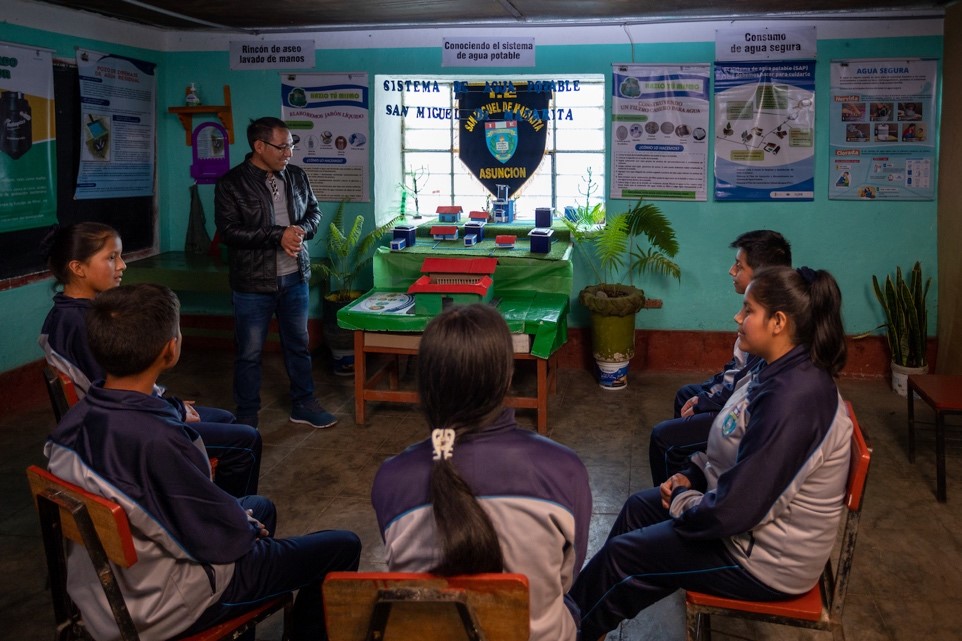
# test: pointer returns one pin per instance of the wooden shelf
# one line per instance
(223, 112)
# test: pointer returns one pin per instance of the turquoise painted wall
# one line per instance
(851, 239)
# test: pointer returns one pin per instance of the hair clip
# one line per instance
(443, 441)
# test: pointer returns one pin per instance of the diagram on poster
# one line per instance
(764, 131)
(882, 143)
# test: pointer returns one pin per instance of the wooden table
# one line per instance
(944, 395)
(368, 384)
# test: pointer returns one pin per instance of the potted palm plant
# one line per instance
(638, 241)
(906, 323)
(349, 253)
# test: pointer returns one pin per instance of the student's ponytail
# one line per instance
(813, 302)
(827, 332)
(465, 361)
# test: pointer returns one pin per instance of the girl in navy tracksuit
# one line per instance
(755, 516)
(86, 259)
(484, 495)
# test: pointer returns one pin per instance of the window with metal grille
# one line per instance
(424, 127)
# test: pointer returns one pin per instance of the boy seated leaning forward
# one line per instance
(203, 555)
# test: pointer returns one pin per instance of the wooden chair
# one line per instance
(62, 391)
(371, 606)
(821, 607)
(101, 527)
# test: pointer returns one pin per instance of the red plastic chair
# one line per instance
(821, 607)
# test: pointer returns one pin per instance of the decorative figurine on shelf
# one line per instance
(191, 98)
(417, 179)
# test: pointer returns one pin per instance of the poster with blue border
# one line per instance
(765, 130)
(28, 166)
(117, 98)
(659, 131)
(329, 113)
(883, 115)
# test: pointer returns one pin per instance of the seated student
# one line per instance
(482, 494)
(203, 555)
(674, 440)
(86, 260)
(755, 516)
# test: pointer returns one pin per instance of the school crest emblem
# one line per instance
(502, 139)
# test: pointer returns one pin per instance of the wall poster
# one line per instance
(883, 115)
(117, 96)
(765, 130)
(329, 115)
(659, 125)
(28, 162)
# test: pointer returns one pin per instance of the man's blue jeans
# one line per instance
(252, 317)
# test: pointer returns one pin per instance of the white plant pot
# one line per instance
(900, 377)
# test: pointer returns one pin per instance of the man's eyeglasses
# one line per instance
(282, 148)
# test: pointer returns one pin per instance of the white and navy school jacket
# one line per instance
(772, 481)
(534, 490)
(133, 449)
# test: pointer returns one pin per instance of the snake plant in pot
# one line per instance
(906, 322)
(349, 252)
(619, 248)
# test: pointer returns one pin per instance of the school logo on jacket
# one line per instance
(502, 131)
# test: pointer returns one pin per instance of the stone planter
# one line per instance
(613, 309)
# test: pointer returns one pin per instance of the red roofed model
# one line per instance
(461, 280)
(478, 215)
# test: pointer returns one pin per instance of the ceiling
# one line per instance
(302, 15)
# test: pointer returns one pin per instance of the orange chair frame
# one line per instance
(67, 511)
(821, 607)
(370, 606)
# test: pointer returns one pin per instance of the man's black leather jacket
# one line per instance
(244, 215)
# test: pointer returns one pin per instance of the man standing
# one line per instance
(265, 210)
(696, 405)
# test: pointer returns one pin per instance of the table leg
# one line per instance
(940, 456)
(911, 422)
(542, 396)
(360, 376)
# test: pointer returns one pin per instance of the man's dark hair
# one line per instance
(263, 129)
(128, 326)
(764, 248)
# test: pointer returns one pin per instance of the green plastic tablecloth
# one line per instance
(517, 270)
(543, 315)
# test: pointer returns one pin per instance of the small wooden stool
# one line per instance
(944, 395)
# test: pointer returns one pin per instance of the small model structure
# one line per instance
(407, 233)
(449, 213)
(503, 207)
(475, 227)
(470, 239)
(452, 281)
(397, 244)
(540, 240)
(444, 232)
(478, 216)
(505, 241)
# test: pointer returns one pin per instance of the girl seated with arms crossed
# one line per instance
(755, 516)
(482, 494)
(86, 259)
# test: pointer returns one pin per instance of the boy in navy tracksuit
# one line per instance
(203, 555)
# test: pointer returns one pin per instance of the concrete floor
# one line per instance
(906, 577)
